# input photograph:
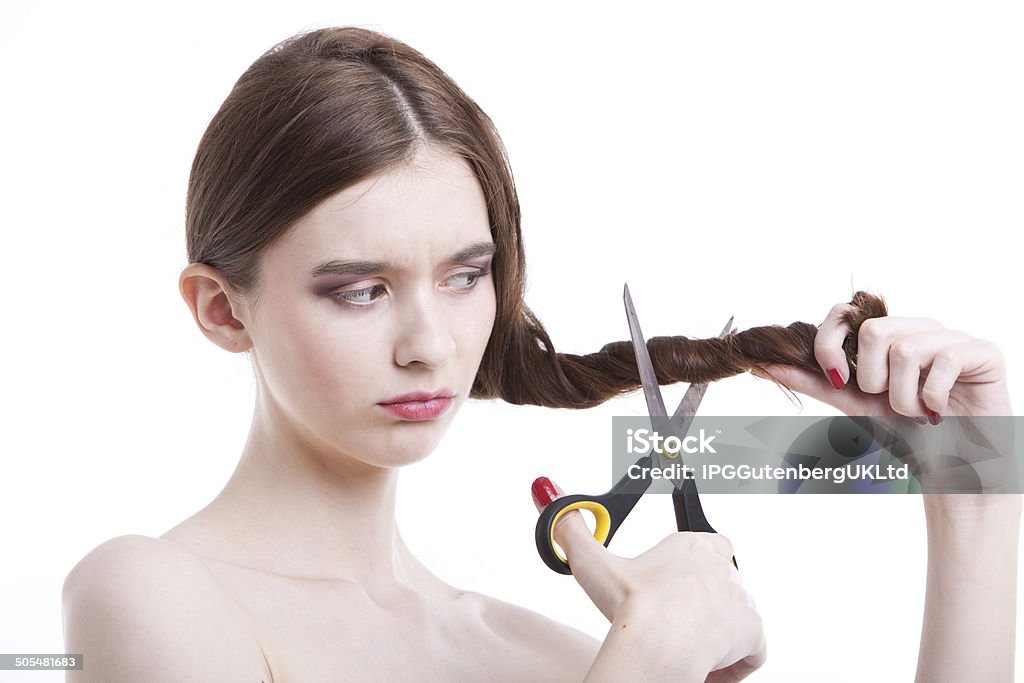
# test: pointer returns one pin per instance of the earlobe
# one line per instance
(208, 296)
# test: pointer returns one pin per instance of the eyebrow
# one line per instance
(356, 267)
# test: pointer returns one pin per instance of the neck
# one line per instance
(295, 509)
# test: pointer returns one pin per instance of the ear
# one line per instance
(217, 311)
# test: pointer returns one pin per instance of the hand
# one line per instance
(684, 588)
(915, 367)
(962, 375)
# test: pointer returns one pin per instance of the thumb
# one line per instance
(571, 530)
(595, 569)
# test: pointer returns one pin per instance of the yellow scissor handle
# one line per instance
(601, 514)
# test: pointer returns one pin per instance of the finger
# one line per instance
(595, 569)
(742, 668)
(724, 547)
(875, 337)
(973, 358)
(828, 346)
(571, 530)
(737, 672)
(720, 544)
(712, 547)
(908, 358)
(813, 384)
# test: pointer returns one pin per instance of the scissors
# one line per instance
(612, 508)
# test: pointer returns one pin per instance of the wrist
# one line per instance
(972, 508)
(965, 519)
(688, 647)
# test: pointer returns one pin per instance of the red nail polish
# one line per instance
(934, 417)
(836, 378)
(543, 491)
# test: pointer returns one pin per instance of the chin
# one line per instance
(406, 443)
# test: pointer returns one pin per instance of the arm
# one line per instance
(970, 604)
(139, 609)
(916, 367)
(631, 652)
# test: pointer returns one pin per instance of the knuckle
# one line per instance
(946, 356)
(821, 345)
(933, 397)
(870, 331)
(838, 310)
(694, 543)
(991, 349)
(682, 541)
(724, 543)
(903, 351)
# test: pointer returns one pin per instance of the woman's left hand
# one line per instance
(908, 366)
(905, 366)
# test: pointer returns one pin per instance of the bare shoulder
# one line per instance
(141, 608)
(565, 646)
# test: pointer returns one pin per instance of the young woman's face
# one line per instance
(384, 289)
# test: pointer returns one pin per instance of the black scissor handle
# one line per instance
(609, 510)
(690, 513)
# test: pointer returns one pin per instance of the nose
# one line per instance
(424, 335)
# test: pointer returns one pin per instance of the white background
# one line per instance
(761, 160)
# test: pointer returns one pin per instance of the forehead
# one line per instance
(423, 208)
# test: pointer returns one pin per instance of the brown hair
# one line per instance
(325, 109)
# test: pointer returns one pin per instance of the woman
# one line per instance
(353, 226)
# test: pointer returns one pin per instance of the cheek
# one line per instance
(476, 328)
(345, 363)
(319, 364)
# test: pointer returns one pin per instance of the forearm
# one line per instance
(633, 653)
(970, 610)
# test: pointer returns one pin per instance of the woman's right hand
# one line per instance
(683, 600)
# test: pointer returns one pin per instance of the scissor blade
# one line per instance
(652, 392)
(695, 394)
(684, 415)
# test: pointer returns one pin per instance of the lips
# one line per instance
(420, 396)
(420, 405)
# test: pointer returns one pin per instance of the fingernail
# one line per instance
(921, 420)
(543, 491)
(934, 417)
(836, 378)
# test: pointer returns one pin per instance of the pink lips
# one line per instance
(420, 405)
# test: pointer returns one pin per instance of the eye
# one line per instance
(359, 297)
(470, 278)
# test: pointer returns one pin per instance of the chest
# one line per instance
(313, 631)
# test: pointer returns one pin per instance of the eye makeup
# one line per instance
(346, 296)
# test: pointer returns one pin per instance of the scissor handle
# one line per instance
(610, 510)
(690, 513)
